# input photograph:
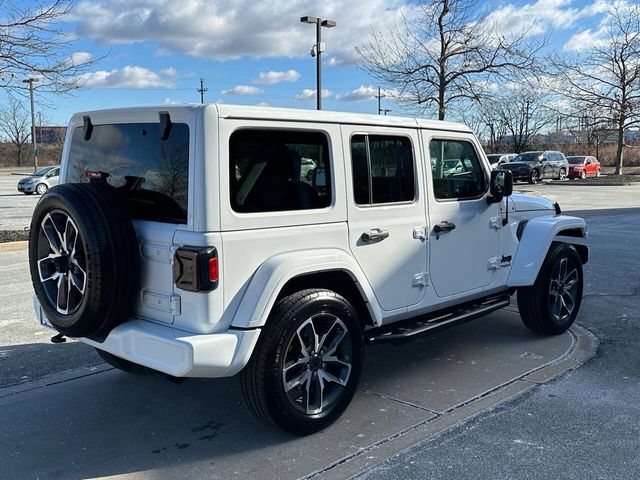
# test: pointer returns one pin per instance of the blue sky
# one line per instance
(253, 52)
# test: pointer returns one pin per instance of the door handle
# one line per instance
(443, 227)
(374, 235)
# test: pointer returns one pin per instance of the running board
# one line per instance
(435, 322)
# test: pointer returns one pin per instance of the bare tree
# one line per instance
(519, 112)
(32, 44)
(15, 124)
(606, 78)
(449, 52)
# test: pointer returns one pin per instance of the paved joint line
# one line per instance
(49, 384)
(397, 400)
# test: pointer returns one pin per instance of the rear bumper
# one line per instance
(175, 352)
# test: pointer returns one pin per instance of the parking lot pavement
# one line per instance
(111, 423)
(15, 208)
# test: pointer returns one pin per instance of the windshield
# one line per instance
(41, 171)
(575, 160)
(528, 157)
(494, 158)
(151, 173)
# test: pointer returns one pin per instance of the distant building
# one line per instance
(50, 134)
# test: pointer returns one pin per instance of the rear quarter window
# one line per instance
(151, 173)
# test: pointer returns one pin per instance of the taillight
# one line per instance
(213, 270)
(196, 269)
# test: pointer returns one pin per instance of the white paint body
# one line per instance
(213, 334)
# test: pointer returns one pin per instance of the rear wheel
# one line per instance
(552, 303)
(305, 369)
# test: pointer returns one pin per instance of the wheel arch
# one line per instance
(283, 274)
(537, 238)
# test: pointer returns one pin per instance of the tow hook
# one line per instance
(59, 338)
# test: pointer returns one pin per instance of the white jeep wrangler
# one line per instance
(190, 240)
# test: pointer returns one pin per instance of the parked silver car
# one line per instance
(40, 181)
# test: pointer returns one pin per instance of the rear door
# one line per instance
(152, 174)
(387, 212)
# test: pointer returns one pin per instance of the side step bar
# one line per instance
(436, 321)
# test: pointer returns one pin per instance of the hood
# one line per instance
(30, 178)
(524, 203)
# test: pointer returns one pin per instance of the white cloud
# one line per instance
(272, 77)
(171, 101)
(130, 76)
(241, 90)
(366, 92)
(586, 39)
(170, 72)
(78, 58)
(541, 15)
(310, 94)
(230, 29)
(263, 104)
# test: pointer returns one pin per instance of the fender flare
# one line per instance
(273, 274)
(536, 240)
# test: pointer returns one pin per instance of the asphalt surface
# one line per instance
(585, 424)
(15, 207)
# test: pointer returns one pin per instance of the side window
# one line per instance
(383, 169)
(278, 170)
(456, 170)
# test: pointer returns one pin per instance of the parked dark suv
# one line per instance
(533, 166)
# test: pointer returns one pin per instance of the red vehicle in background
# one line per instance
(583, 166)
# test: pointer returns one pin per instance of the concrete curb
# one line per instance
(8, 246)
(584, 347)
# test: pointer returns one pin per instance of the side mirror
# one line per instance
(542, 160)
(501, 185)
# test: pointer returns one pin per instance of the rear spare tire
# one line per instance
(84, 261)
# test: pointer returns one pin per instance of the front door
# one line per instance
(464, 236)
(387, 213)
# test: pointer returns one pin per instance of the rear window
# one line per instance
(151, 173)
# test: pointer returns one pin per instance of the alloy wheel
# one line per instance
(563, 290)
(62, 262)
(317, 363)
(41, 189)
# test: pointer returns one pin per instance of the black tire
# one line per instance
(41, 189)
(28, 193)
(583, 174)
(263, 379)
(533, 177)
(104, 262)
(124, 365)
(538, 304)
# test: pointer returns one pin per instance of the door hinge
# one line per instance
(420, 233)
(494, 263)
(421, 279)
(496, 222)
(175, 305)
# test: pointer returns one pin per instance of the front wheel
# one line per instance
(306, 366)
(551, 304)
(533, 177)
(41, 189)
(583, 175)
(598, 173)
(562, 174)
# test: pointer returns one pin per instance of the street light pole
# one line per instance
(317, 50)
(34, 143)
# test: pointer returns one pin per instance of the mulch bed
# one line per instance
(610, 180)
(13, 235)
